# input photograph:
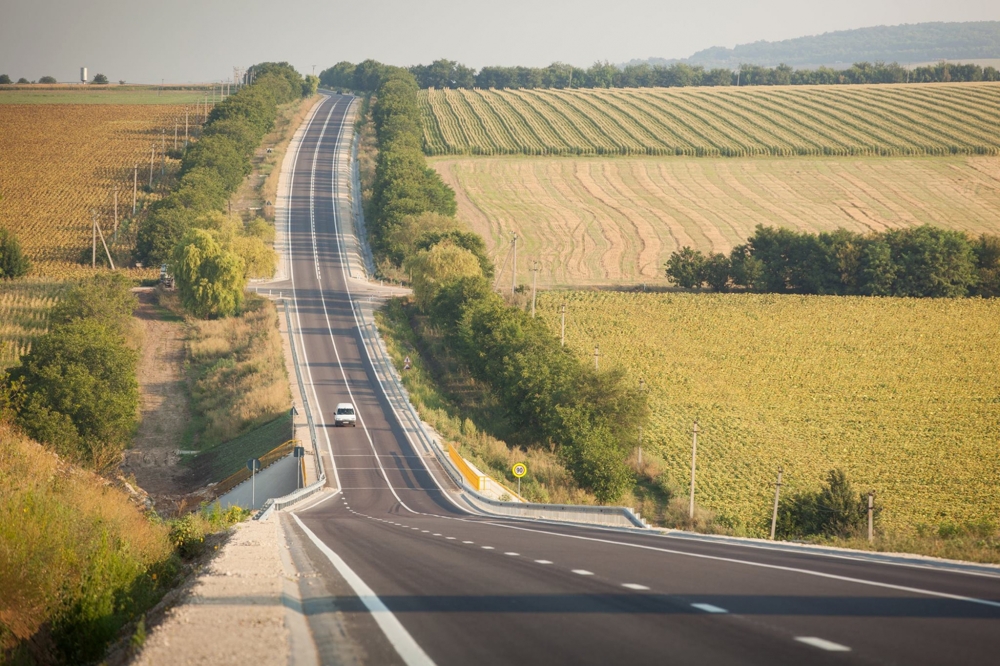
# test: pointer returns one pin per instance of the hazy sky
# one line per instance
(185, 40)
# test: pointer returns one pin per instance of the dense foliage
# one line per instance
(76, 391)
(404, 185)
(13, 262)
(835, 510)
(923, 261)
(213, 167)
(451, 74)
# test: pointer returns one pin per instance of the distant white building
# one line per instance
(83, 74)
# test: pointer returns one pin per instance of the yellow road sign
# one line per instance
(519, 470)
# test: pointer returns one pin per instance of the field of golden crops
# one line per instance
(60, 161)
(894, 120)
(902, 393)
(24, 315)
(593, 220)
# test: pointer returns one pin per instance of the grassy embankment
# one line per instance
(238, 387)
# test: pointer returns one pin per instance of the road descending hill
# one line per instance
(883, 120)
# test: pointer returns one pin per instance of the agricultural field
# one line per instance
(98, 94)
(24, 315)
(593, 220)
(60, 161)
(870, 120)
(903, 394)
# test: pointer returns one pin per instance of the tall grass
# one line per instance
(236, 370)
(77, 559)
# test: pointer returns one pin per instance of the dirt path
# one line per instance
(165, 413)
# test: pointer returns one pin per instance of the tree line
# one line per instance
(923, 261)
(545, 390)
(366, 76)
(212, 255)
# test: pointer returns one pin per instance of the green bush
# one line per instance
(77, 392)
(209, 279)
(835, 510)
(13, 262)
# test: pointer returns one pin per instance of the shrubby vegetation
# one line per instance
(835, 510)
(212, 168)
(548, 394)
(76, 391)
(451, 74)
(923, 261)
(13, 262)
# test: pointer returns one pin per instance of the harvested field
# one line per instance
(900, 393)
(616, 220)
(879, 120)
(62, 161)
(24, 315)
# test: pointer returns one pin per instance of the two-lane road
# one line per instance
(452, 588)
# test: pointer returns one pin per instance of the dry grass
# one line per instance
(66, 538)
(604, 220)
(237, 371)
(880, 120)
(24, 314)
(60, 161)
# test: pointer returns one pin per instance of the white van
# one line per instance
(345, 415)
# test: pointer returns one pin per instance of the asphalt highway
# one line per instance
(421, 581)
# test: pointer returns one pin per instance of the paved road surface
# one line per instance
(451, 588)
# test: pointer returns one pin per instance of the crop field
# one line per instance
(903, 394)
(881, 120)
(24, 315)
(592, 220)
(78, 94)
(62, 161)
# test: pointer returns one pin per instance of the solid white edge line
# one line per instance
(774, 567)
(822, 644)
(398, 636)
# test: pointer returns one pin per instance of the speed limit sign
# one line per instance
(519, 470)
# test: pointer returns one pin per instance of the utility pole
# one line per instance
(871, 516)
(152, 156)
(534, 284)
(135, 186)
(562, 337)
(163, 154)
(314, 70)
(185, 128)
(175, 136)
(513, 273)
(597, 355)
(205, 118)
(642, 389)
(93, 247)
(694, 457)
(116, 212)
(774, 515)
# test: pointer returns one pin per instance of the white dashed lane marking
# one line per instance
(513, 554)
(634, 586)
(543, 561)
(583, 572)
(709, 608)
(823, 644)
(468, 542)
(487, 547)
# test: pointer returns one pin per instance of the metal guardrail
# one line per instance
(610, 516)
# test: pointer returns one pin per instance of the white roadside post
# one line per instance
(253, 465)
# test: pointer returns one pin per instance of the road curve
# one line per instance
(421, 581)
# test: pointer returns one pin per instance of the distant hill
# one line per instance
(916, 43)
